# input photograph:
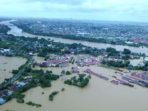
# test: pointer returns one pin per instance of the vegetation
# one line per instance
(33, 104)
(81, 81)
(43, 47)
(52, 95)
(126, 51)
(113, 63)
(111, 52)
(68, 73)
(4, 29)
(19, 97)
(63, 89)
(42, 78)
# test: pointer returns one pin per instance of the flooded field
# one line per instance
(7, 64)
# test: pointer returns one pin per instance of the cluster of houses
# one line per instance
(3, 94)
(139, 40)
(134, 80)
(139, 78)
(56, 61)
(87, 61)
(141, 75)
(115, 81)
(139, 62)
(14, 87)
(82, 61)
(75, 70)
(63, 61)
(6, 52)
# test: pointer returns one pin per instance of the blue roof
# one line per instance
(2, 101)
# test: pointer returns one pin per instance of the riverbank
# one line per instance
(19, 32)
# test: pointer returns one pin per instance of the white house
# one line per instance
(146, 59)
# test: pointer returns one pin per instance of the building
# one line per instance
(75, 70)
(2, 101)
(146, 59)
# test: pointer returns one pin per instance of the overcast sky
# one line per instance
(121, 10)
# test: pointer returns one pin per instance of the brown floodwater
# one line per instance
(7, 64)
(98, 95)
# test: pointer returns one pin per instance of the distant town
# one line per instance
(132, 34)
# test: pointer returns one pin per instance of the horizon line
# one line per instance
(74, 19)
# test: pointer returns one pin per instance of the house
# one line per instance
(5, 50)
(30, 53)
(129, 42)
(21, 84)
(75, 70)
(89, 71)
(57, 61)
(43, 64)
(5, 93)
(54, 63)
(83, 61)
(137, 62)
(14, 87)
(2, 101)
(146, 59)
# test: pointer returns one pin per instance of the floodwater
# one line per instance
(7, 64)
(99, 95)
(19, 32)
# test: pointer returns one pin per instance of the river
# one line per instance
(19, 32)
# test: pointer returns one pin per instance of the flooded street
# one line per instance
(19, 32)
(7, 64)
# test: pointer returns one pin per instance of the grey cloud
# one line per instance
(83, 9)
